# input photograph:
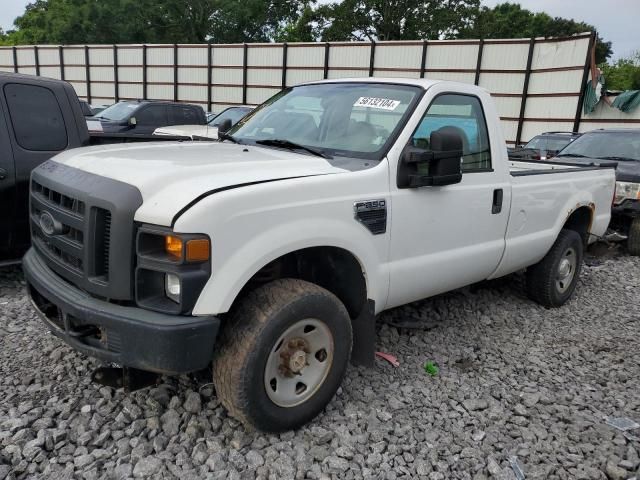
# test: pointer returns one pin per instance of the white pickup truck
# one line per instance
(269, 253)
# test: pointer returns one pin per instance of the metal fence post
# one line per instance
(209, 77)
(284, 65)
(15, 59)
(144, 72)
(583, 88)
(423, 63)
(61, 59)
(327, 45)
(372, 57)
(116, 86)
(479, 62)
(525, 90)
(175, 72)
(244, 73)
(87, 67)
(36, 58)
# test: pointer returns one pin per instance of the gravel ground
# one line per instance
(514, 379)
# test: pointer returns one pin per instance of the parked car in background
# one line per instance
(543, 146)
(267, 255)
(96, 109)
(621, 146)
(144, 116)
(210, 130)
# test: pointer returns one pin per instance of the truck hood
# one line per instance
(171, 175)
(189, 131)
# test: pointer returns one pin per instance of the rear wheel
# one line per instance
(551, 281)
(633, 239)
(283, 354)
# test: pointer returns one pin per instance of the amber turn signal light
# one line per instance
(173, 246)
(198, 250)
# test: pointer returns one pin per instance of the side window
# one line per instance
(36, 117)
(184, 115)
(152, 115)
(464, 113)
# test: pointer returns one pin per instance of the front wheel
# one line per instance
(552, 280)
(282, 355)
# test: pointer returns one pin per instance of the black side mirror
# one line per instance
(441, 165)
(225, 125)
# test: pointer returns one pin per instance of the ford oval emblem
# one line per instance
(48, 223)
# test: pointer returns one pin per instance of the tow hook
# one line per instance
(129, 379)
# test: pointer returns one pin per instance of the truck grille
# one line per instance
(72, 205)
(83, 226)
(66, 244)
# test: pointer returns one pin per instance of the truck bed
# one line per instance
(520, 168)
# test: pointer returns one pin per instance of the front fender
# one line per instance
(230, 275)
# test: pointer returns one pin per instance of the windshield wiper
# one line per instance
(623, 159)
(278, 142)
(227, 136)
(574, 155)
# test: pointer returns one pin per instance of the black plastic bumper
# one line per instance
(128, 336)
(628, 208)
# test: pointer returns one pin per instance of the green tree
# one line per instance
(305, 29)
(154, 21)
(253, 20)
(394, 19)
(624, 74)
(510, 20)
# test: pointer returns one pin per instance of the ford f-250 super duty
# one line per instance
(268, 254)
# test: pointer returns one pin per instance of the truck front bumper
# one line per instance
(128, 336)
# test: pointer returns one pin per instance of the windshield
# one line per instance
(622, 145)
(548, 143)
(338, 119)
(232, 113)
(118, 111)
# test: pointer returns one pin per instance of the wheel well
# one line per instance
(332, 268)
(580, 221)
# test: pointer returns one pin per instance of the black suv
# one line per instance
(621, 146)
(144, 116)
(543, 146)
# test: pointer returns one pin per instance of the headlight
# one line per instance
(172, 269)
(626, 191)
(172, 287)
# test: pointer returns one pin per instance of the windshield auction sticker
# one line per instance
(381, 103)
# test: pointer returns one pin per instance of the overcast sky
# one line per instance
(616, 20)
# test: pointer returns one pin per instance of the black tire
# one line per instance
(633, 239)
(250, 336)
(542, 284)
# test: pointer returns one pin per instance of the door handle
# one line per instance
(497, 201)
(3, 173)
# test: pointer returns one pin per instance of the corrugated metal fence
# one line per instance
(535, 82)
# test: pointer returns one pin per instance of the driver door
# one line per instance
(446, 237)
